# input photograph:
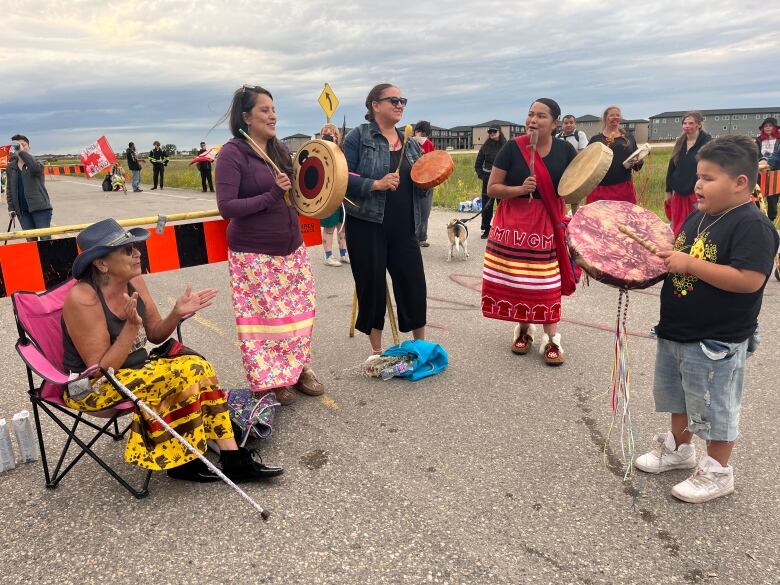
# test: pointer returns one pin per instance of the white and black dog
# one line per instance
(458, 235)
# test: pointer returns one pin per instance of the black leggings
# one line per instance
(771, 204)
(487, 205)
(374, 249)
(158, 172)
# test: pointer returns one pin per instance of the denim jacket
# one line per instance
(368, 158)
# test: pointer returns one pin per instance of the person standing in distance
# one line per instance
(27, 196)
(483, 165)
(569, 133)
(422, 130)
(159, 162)
(134, 165)
(205, 170)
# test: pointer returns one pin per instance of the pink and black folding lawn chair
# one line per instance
(40, 345)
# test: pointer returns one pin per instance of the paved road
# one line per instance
(492, 472)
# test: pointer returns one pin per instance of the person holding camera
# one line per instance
(135, 167)
(27, 196)
(159, 161)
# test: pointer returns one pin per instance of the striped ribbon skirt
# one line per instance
(274, 300)
(521, 279)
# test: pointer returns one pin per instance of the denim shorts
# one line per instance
(703, 380)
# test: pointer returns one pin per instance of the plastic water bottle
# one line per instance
(7, 457)
(395, 370)
(25, 437)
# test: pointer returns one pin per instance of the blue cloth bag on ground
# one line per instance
(427, 358)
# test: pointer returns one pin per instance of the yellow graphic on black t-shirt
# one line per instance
(701, 249)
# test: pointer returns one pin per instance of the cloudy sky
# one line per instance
(144, 70)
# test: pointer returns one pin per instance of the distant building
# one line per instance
(508, 129)
(638, 128)
(295, 141)
(457, 138)
(589, 124)
(734, 121)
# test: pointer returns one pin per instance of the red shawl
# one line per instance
(556, 210)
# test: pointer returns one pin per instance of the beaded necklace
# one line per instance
(697, 248)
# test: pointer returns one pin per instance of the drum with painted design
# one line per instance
(320, 176)
(602, 249)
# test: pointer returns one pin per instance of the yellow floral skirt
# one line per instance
(184, 391)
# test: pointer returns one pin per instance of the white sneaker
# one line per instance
(665, 457)
(332, 262)
(709, 481)
(344, 260)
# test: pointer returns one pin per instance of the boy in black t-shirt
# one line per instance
(710, 303)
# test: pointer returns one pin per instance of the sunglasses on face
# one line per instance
(492, 131)
(128, 249)
(395, 101)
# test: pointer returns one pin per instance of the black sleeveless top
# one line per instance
(135, 359)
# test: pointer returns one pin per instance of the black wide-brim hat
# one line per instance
(102, 238)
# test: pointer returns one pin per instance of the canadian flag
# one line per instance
(97, 156)
(207, 156)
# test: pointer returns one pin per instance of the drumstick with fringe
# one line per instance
(408, 131)
(646, 244)
(261, 153)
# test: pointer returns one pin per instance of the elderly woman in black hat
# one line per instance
(107, 319)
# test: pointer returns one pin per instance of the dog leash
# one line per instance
(472, 217)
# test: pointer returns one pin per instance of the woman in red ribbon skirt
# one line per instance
(680, 200)
(526, 266)
(617, 184)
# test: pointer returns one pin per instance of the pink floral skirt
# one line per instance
(274, 302)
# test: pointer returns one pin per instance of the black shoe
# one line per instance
(195, 470)
(137, 190)
(484, 235)
(153, 188)
(245, 465)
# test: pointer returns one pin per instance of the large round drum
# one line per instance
(585, 172)
(607, 254)
(320, 176)
(432, 169)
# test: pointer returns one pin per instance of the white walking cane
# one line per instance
(137, 401)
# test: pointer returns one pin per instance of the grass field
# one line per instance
(463, 184)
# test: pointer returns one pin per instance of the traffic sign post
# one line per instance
(328, 102)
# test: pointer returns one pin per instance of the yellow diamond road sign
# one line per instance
(328, 101)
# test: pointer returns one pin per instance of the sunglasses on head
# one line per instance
(254, 88)
(395, 101)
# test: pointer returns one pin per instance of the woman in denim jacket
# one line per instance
(383, 223)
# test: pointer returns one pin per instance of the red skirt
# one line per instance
(521, 279)
(678, 208)
(618, 192)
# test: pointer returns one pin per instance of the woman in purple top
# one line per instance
(270, 274)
